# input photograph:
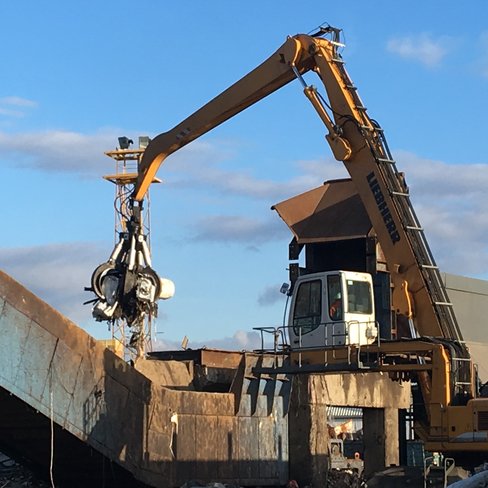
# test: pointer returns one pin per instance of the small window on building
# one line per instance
(308, 305)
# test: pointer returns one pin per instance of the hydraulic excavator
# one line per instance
(451, 417)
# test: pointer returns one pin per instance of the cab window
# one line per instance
(359, 297)
(308, 306)
(334, 295)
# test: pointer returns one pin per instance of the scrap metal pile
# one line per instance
(14, 475)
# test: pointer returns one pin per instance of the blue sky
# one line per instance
(75, 76)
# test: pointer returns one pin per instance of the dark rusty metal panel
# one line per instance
(213, 358)
(87, 398)
(248, 448)
(40, 312)
(268, 468)
(25, 432)
(280, 428)
(282, 449)
(358, 390)
(186, 450)
(260, 403)
(34, 369)
(330, 212)
(229, 441)
(231, 428)
(161, 436)
(159, 447)
(61, 384)
(161, 443)
(167, 373)
(207, 440)
(220, 359)
(14, 330)
(202, 403)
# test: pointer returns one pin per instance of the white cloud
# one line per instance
(17, 102)
(198, 166)
(448, 197)
(161, 344)
(9, 112)
(422, 48)
(483, 59)
(270, 295)
(240, 341)
(200, 155)
(79, 153)
(464, 182)
(450, 200)
(240, 183)
(236, 228)
(14, 106)
(56, 273)
(60, 151)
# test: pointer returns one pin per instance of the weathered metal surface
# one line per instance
(26, 435)
(330, 212)
(214, 358)
(369, 390)
(100, 404)
(311, 395)
(173, 374)
(381, 439)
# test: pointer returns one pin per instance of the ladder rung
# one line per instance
(351, 87)
(371, 128)
(412, 227)
(360, 107)
(399, 194)
(338, 61)
(384, 160)
(429, 266)
(335, 43)
(444, 304)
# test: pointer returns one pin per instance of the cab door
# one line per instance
(316, 315)
(306, 313)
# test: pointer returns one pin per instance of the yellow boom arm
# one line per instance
(277, 71)
(356, 140)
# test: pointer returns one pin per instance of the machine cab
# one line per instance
(331, 309)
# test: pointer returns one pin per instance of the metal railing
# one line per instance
(329, 335)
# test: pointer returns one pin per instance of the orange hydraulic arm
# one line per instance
(356, 140)
(277, 71)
